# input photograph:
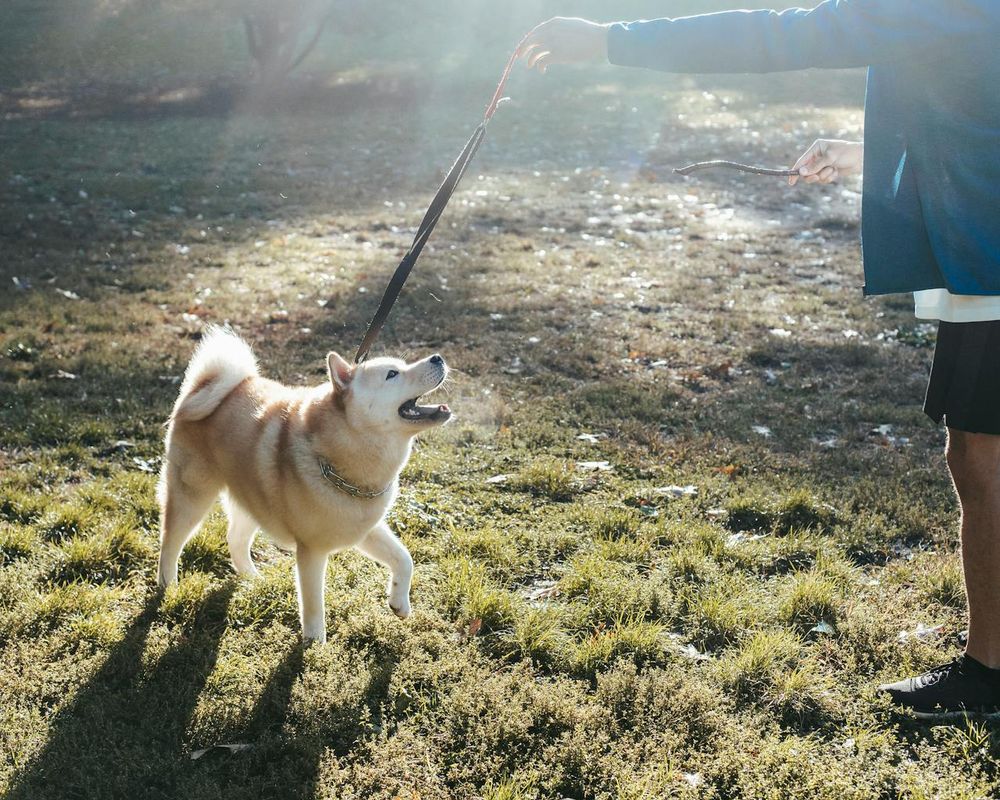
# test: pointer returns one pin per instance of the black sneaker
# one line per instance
(961, 688)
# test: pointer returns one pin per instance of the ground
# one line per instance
(688, 516)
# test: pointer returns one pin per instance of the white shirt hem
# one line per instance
(941, 305)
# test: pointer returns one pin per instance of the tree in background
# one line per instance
(281, 35)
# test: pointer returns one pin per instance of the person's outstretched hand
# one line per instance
(564, 40)
(827, 160)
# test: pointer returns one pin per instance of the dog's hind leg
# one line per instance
(382, 545)
(310, 571)
(242, 527)
(182, 507)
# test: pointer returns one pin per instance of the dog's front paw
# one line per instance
(165, 581)
(399, 596)
(400, 607)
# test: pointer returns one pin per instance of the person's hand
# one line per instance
(827, 160)
(564, 40)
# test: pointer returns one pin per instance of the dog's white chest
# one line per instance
(335, 520)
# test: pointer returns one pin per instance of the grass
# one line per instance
(551, 479)
(577, 632)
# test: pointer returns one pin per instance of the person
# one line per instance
(930, 223)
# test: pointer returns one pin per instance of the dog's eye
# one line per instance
(392, 373)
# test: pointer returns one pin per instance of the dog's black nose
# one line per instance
(436, 359)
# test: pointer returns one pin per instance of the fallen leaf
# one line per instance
(822, 627)
(515, 367)
(117, 447)
(541, 590)
(676, 491)
(922, 633)
(883, 436)
(693, 778)
(231, 748)
(692, 653)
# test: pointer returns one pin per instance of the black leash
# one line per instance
(431, 217)
(447, 189)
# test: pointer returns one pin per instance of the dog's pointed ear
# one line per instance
(340, 370)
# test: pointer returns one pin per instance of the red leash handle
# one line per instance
(498, 94)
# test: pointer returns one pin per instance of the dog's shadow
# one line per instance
(125, 733)
(125, 729)
(126, 719)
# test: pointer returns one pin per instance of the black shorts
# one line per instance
(964, 389)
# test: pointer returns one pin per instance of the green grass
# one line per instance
(551, 479)
(577, 633)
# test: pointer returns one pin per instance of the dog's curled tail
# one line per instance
(220, 364)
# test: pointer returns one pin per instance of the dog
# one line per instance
(317, 468)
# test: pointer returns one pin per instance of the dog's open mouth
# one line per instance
(412, 411)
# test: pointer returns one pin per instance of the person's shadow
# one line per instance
(122, 736)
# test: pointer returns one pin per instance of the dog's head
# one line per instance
(382, 393)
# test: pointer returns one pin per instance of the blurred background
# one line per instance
(134, 41)
(354, 101)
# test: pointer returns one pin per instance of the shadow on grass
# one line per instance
(213, 98)
(277, 765)
(126, 726)
(126, 734)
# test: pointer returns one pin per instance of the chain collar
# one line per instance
(346, 486)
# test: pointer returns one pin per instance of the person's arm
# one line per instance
(829, 159)
(834, 34)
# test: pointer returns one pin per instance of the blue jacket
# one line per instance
(932, 132)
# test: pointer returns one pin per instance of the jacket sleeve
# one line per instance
(834, 34)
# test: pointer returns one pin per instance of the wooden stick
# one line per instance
(777, 173)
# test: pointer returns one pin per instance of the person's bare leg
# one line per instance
(974, 461)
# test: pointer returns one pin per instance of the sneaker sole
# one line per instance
(947, 716)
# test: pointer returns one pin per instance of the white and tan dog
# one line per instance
(316, 468)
